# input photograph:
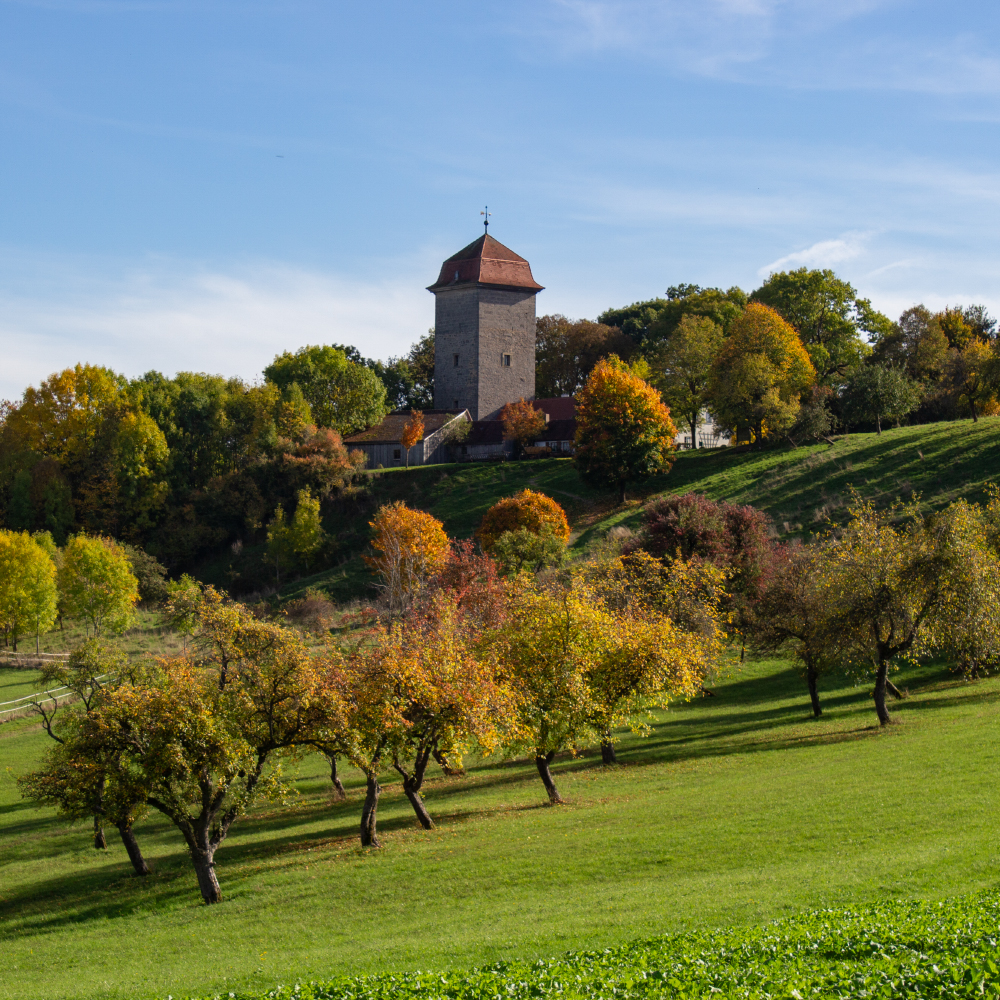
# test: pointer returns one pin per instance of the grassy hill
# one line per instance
(737, 809)
(800, 488)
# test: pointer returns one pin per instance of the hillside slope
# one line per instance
(800, 488)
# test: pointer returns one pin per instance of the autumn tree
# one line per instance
(97, 585)
(422, 691)
(78, 776)
(828, 316)
(973, 374)
(907, 590)
(522, 424)
(200, 737)
(413, 433)
(682, 366)
(915, 344)
(794, 613)
(529, 510)
(410, 546)
(759, 373)
(342, 394)
(880, 390)
(665, 635)
(566, 352)
(28, 595)
(624, 432)
(546, 646)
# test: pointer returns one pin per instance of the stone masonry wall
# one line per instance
(481, 325)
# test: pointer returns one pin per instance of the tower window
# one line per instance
(456, 404)
(506, 361)
(456, 360)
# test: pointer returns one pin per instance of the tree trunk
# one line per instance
(878, 422)
(621, 492)
(880, 681)
(100, 842)
(607, 750)
(132, 848)
(811, 676)
(972, 405)
(423, 816)
(893, 690)
(369, 812)
(694, 433)
(204, 866)
(542, 762)
(341, 795)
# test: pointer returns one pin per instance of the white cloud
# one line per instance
(231, 322)
(826, 253)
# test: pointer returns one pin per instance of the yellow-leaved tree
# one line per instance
(28, 595)
(623, 430)
(97, 585)
(410, 546)
(528, 509)
(759, 373)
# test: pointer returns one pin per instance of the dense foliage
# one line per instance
(530, 510)
(916, 950)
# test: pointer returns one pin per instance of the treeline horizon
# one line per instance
(184, 466)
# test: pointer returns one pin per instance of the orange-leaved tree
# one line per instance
(623, 430)
(759, 373)
(522, 423)
(528, 509)
(410, 546)
(421, 691)
(413, 432)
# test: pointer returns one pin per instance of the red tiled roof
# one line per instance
(391, 429)
(558, 408)
(486, 262)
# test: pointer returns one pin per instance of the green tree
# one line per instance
(827, 314)
(623, 431)
(27, 587)
(307, 527)
(566, 352)
(343, 394)
(759, 373)
(20, 511)
(653, 322)
(97, 585)
(682, 367)
(915, 344)
(879, 390)
(524, 549)
(280, 541)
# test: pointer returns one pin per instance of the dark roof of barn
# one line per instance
(390, 431)
(486, 262)
(557, 408)
(558, 430)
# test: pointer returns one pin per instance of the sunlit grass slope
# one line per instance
(737, 808)
(800, 488)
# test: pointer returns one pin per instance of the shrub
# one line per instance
(526, 509)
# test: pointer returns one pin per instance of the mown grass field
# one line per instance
(800, 488)
(737, 809)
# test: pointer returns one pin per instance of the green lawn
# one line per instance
(736, 809)
(800, 488)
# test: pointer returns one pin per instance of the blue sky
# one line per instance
(199, 185)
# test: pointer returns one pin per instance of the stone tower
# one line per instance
(484, 323)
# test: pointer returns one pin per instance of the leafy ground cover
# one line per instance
(800, 488)
(736, 810)
(898, 949)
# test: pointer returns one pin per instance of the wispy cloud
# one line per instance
(825, 253)
(174, 319)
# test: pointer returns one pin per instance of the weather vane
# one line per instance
(486, 220)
